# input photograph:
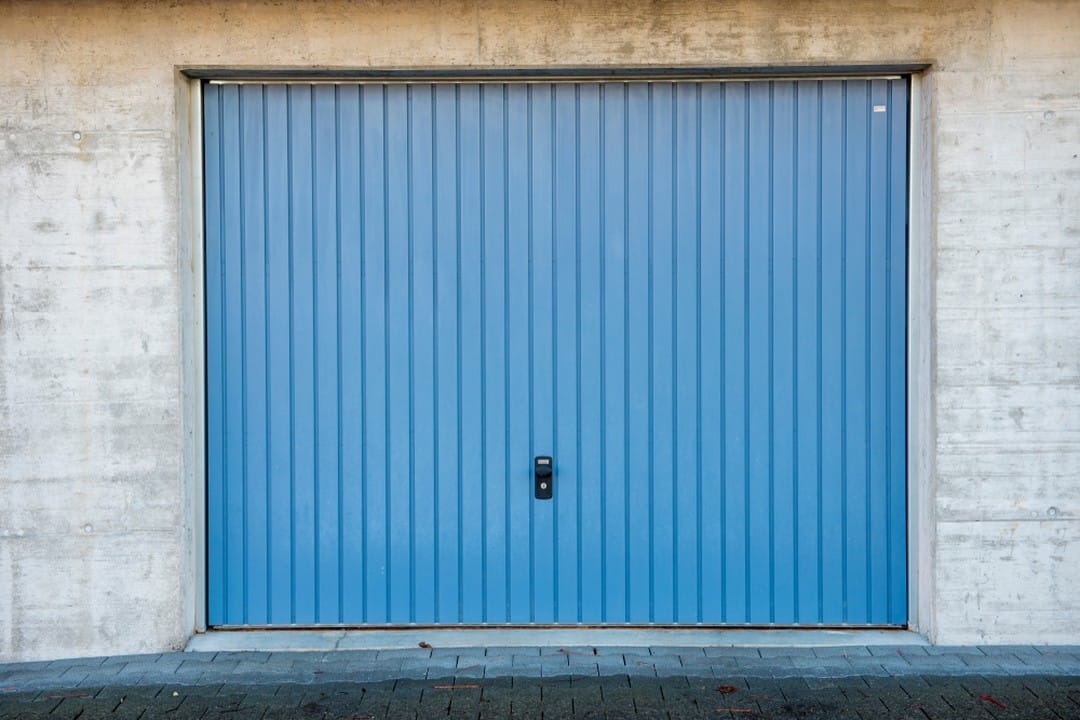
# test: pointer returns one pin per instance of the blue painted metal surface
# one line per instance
(691, 295)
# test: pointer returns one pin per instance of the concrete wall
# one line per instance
(96, 464)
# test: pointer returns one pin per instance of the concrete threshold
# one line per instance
(384, 639)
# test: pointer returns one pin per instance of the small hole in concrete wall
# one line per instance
(76, 135)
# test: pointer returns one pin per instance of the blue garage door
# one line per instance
(690, 295)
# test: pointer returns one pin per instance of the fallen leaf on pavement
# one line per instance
(726, 689)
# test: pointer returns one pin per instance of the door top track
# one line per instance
(224, 75)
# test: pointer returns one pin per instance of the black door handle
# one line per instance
(543, 475)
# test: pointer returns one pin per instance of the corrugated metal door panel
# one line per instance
(691, 295)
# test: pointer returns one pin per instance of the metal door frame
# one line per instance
(920, 316)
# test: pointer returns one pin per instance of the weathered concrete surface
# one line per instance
(95, 523)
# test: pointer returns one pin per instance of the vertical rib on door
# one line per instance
(691, 295)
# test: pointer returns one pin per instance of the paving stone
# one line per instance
(821, 683)
(32, 666)
(221, 666)
(556, 701)
(389, 663)
(939, 664)
(615, 661)
(94, 709)
(332, 700)
(144, 658)
(950, 649)
(616, 671)
(979, 662)
(525, 699)
(245, 656)
(280, 659)
(1018, 650)
(831, 662)
(103, 671)
(502, 651)
(500, 666)
(622, 649)
(74, 676)
(910, 650)
(28, 711)
(63, 663)
(471, 662)
(1028, 661)
(535, 671)
(358, 669)
(247, 668)
(732, 652)
(469, 674)
(667, 664)
(1011, 665)
(1048, 693)
(567, 650)
(530, 660)
(403, 653)
(763, 666)
(433, 702)
(697, 673)
(893, 665)
(496, 700)
(447, 662)
(374, 702)
(134, 668)
(454, 651)
(723, 668)
(1058, 655)
(557, 672)
(1070, 649)
(379, 675)
(638, 660)
(842, 651)
(584, 671)
(187, 666)
(697, 660)
(785, 652)
(889, 650)
(465, 704)
(638, 669)
(1015, 698)
(676, 650)
(890, 683)
(618, 697)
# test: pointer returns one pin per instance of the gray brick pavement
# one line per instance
(858, 682)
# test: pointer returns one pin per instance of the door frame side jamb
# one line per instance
(920, 360)
(193, 350)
